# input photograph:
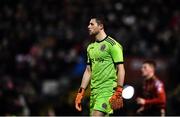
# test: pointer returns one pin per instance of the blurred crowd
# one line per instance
(43, 48)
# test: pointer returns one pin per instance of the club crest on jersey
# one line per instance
(104, 105)
(103, 47)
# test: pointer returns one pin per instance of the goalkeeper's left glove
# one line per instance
(116, 101)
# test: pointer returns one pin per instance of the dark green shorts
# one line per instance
(100, 102)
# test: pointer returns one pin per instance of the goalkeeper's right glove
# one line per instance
(79, 98)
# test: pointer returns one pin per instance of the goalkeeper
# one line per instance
(105, 72)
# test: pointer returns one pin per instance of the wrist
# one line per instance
(81, 90)
(119, 88)
(146, 101)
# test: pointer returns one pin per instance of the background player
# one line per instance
(154, 99)
(105, 72)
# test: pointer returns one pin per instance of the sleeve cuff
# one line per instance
(117, 63)
(88, 63)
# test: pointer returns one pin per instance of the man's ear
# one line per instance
(101, 26)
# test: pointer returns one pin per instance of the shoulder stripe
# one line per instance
(112, 42)
(112, 39)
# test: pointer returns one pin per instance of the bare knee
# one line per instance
(98, 113)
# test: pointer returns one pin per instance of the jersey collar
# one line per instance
(101, 40)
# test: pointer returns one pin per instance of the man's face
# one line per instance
(146, 69)
(93, 27)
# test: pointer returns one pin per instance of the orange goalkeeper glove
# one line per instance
(79, 98)
(116, 101)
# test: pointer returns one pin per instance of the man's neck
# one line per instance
(150, 76)
(100, 36)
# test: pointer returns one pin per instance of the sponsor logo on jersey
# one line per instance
(97, 59)
(91, 48)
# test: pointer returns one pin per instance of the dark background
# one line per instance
(43, 51)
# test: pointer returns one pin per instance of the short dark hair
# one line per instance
(150, 62)
(100, 20)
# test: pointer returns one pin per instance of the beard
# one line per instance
(92, 38)
(93, 33)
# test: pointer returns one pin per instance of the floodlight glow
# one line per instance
(128, 92)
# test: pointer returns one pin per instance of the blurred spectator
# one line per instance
(10, 98)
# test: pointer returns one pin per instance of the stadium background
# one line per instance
(43, 50)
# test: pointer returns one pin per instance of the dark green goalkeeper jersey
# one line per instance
(103, 57)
